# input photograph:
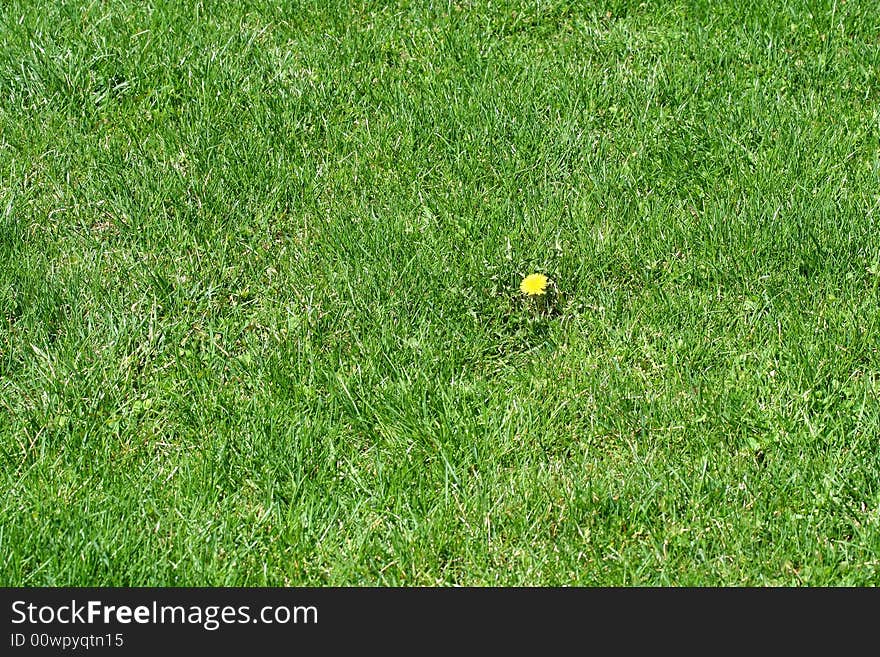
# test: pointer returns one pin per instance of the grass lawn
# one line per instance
(260, 316)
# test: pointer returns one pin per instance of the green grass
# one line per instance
(259, 311)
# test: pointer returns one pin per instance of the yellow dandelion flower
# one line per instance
(534, 284)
